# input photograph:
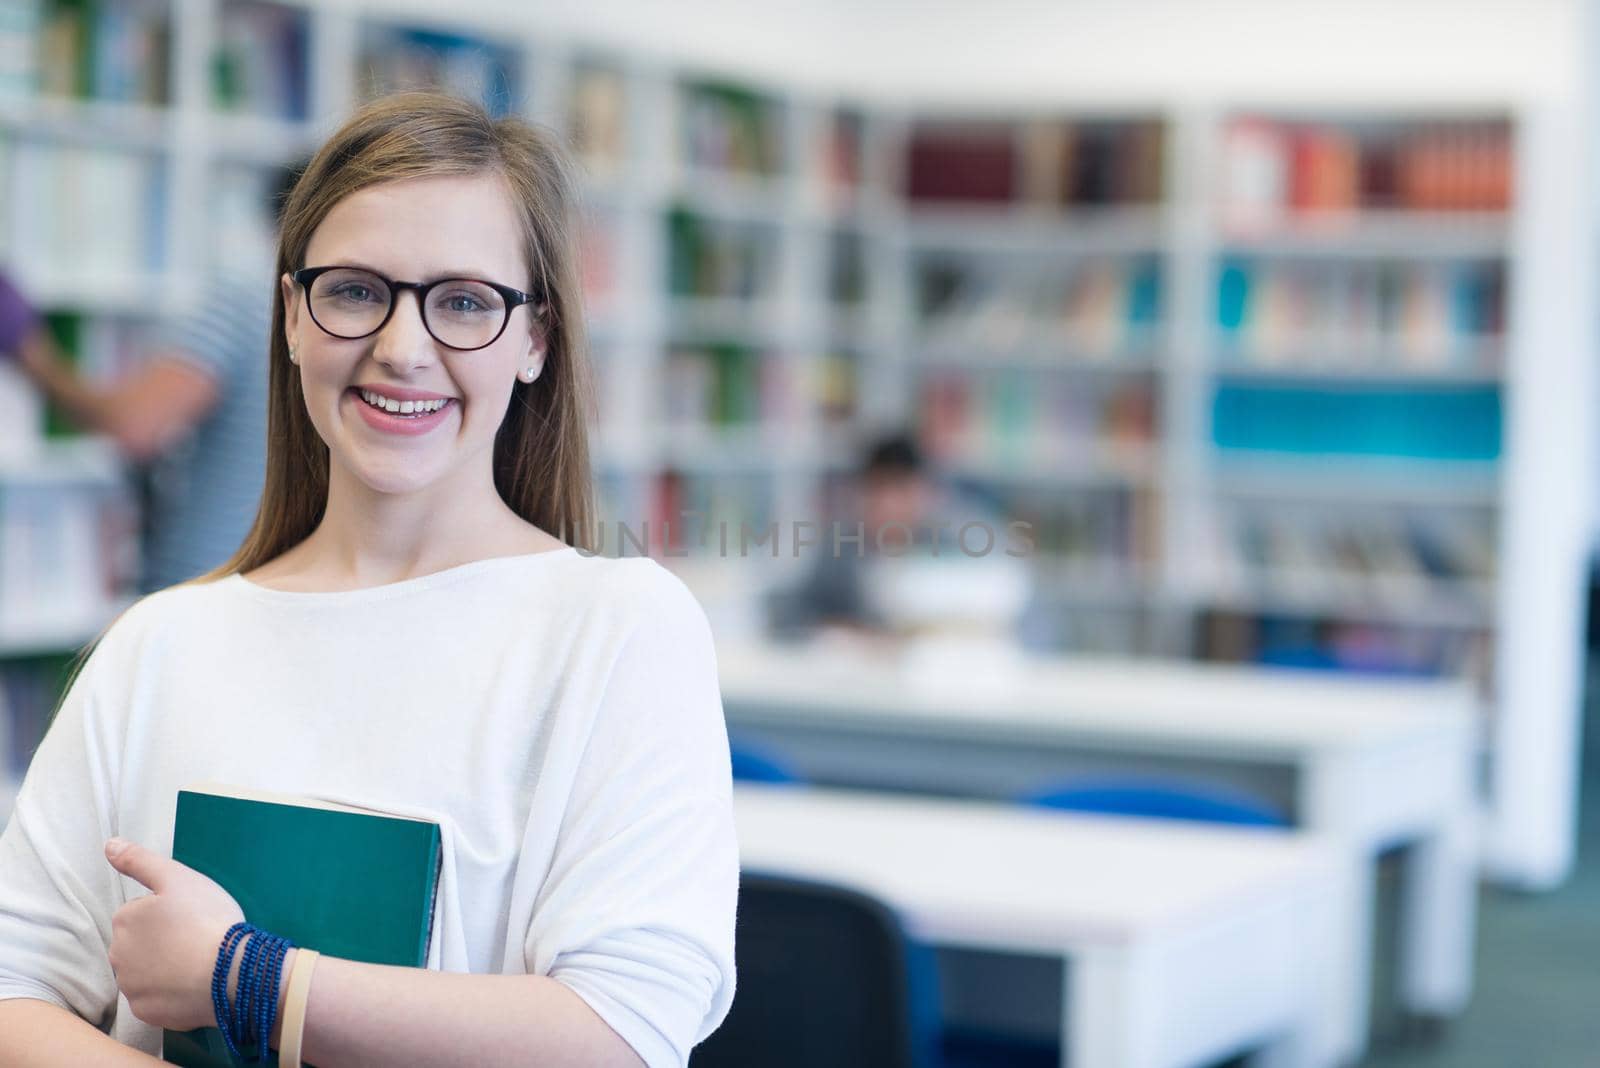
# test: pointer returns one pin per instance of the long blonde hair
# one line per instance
(541, 453)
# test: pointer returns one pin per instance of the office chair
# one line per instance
(826, 977)
(753, 764)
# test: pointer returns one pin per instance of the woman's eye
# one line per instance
(463, 304)
(354, 293)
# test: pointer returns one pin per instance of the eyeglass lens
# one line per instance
(352, 303)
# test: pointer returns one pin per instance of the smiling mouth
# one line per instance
(402, 409)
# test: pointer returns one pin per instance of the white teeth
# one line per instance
(397, 407)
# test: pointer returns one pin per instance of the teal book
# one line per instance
(348, 882)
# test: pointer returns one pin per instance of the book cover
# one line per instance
(345, 881)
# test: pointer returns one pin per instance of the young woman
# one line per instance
(404, 629)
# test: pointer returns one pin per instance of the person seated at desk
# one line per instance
(902, 553)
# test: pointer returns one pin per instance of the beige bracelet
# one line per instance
(294, 1008)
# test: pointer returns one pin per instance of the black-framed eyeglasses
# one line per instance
(460, 313)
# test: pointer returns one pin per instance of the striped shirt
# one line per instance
(205, 490)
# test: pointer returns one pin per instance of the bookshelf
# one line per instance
(1253, 373)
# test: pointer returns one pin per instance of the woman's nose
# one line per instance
(404, 344)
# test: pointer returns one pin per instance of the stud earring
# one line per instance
(291, 355)
(530, 372)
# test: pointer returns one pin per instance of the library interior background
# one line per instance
(1238, 356)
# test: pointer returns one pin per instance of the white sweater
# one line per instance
(557, 714)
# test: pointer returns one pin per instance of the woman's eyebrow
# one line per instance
(462, 272)
(436, 276)
(354, 264)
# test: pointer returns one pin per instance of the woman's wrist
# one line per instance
(283, 972)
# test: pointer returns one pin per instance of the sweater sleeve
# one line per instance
(637, 913)
(57, 891)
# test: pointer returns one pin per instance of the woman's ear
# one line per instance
(531, 364)
(291, 310)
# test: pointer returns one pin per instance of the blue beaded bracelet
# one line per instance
(243, 997)
(266, 996)
(219, 980)
(250, 1019)
(268, 1011)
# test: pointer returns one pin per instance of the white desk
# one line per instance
(1368, 762)
(1182, 944)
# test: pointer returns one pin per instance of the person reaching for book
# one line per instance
(415, 625)
(192, 411)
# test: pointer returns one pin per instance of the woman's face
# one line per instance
(417, 230)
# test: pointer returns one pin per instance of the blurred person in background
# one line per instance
(913, 554)
(192, 411)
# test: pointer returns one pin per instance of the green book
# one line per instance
(344, 881)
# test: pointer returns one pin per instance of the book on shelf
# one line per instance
(599, 262)
(597, 119)
(705, 512)
(723, 386)
(1449, 423)
(1344, 558)
(842, 159)
(847, 269)
(1059, 165)
(352, 882)
(260, 65)
(244, 232)
(22, 415)
(30, 688)
(117, 51)
(729, 129)
(1361, 315)
(974, 164)
(719, 258)
(90, 217)
(1274, 170)
(1097, 309)
(397, 57)
(21, 23)
(1053, 427)
(836, 386)
(65, 558)
(102, 348)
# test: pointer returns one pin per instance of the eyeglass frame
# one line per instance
(514, 298)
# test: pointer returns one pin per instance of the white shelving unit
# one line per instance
(1174, 485)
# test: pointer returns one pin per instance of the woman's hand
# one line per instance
(164, 945)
